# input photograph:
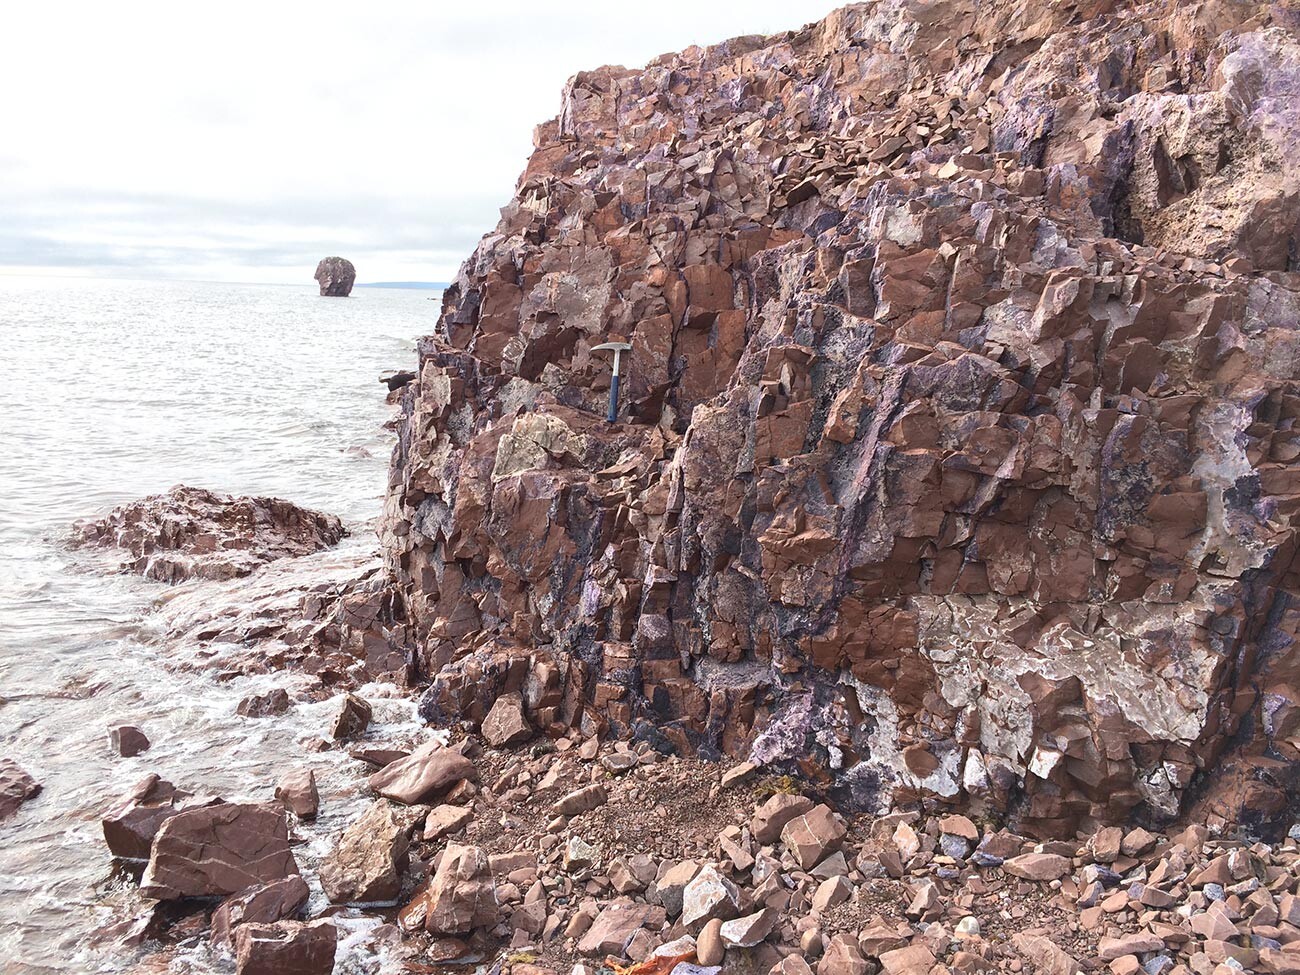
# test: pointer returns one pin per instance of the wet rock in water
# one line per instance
(460, 897)
(218, 850)
(378, 757)
(127, 740)
(130, 828)
(297, 791)
(424, 775)
(264, 705)
(399, 379)
(277, 901)
(352, 719)
(367, 864)
(285, 948)
(335, 275)
(506, 724)
(936, 321)
(16, 787)
(192, 533)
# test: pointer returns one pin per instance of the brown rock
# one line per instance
(581, 800)
(335, 275)
(445, 820)
(127, 740)
(213, 851)
(1108, 949)
(773, 815)
(352, 719)
(1037, 866)
(422, 776)
(913, 960)
(263, 904)
(506, 724)
(285, 948)
(1045, 955)
(813, 835)
(192, 533)
(709, 949)
(16, 787)
(461, 896)
(367, 864)
(297, 790)
(843, 957)
(129, 829)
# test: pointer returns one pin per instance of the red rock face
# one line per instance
(956, 455)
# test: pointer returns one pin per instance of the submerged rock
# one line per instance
(128, 740)
(16, 787)
(335, 275)
(194, 533)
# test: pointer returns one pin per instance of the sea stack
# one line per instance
(336, 275)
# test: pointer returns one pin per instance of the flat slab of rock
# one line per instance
(422, 776)
(286, 948)
(218, 850)
(193, 533)
(367, 864)
(1038, 866)
(16, 787)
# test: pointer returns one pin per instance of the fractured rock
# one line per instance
(428, 772)
(285, 948)
(367, 864)
(217, 850)
(297, 791)
(353, 718)
(277, 901)
(506, 724)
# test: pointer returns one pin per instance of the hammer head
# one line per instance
(612, 347)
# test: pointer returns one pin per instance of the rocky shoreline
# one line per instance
(928, 607)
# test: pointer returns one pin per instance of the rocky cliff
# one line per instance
(957, 453)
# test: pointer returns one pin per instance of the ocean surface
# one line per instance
(112, 390)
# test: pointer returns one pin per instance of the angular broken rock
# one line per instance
(352, 719)
(460, 897)
(748, 931)
(1041, 867)
(812, 835)
(127, 740)
(367, 864)
(581, 800)
(670, 888)
(614, 927)
(506, 724)
(843, 956)
(771, 817)
(285, 948)
(709, 895)
(297, 791)
(429, 771)
(129, 829)
(273, 702)
(276, 901)
(915, 959)
(1108, 949)
(218, 850)
(194, 533)
(445, 820)
(16, 787)
(1046, 956)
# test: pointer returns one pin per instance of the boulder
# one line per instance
(709, 895)
(273, 702)
(297, 791)
(444, 820)
(352, 718)
(213, 851)
(813, 835)
(367, 864)
(1042, 867)
(127, 740)
(285, 948)
(335, 275)
(771, 817)
(263, 904)
(460, 897)
(16, 787)
(192, 533)
(506, 724)
(424, 775)
(130, 827)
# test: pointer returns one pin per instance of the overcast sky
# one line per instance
(244, 141)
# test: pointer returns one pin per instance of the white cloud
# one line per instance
(243, 140)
